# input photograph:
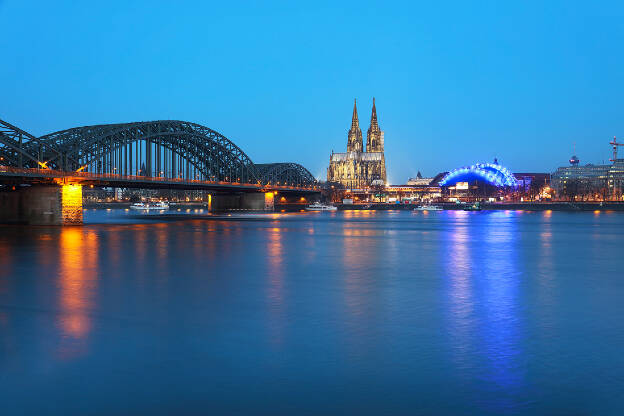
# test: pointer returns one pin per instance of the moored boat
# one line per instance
(317, 206)
(160, 205)
(474, 207)
(428, 208)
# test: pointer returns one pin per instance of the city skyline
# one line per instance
(518, 82)
(325, 208)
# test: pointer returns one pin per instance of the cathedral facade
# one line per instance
(359, 167)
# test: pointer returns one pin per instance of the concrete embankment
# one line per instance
(122, 205)
(523, 206)
(557, 206)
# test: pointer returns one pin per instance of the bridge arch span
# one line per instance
(164, 148)
(167, 148)
(285, 174)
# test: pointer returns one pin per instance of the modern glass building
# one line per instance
(589, 182)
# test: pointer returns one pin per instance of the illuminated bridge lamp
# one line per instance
(71, 204)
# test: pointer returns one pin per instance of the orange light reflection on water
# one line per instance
(77, 280)
(276, 284)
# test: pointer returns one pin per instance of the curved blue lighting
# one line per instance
(492, 173)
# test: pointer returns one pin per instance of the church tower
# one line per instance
(374, 136)
(357, 169)
(355, 142)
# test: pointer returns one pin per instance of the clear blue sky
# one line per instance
(455, 82)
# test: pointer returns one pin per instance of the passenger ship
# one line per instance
(161, 205)
(317, 206)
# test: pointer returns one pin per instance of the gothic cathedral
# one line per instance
(359, 168)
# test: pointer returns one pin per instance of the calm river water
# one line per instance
(356, 312)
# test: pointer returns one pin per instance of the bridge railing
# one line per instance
(59, 174)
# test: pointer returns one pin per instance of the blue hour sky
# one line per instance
(455, 82)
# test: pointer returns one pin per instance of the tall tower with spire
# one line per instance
(374, 136)
(357, 169)
(355, 143)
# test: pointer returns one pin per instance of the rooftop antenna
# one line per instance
(615, 145)
(574, 161)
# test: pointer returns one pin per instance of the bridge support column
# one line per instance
(42, 205)
(221, 202)
(256, 201)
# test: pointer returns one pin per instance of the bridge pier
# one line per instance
(254, 201)
(42, 205)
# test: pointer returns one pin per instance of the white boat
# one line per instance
(428, 208)
(317, 206)
(160, 205)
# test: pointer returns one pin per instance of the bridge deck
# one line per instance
(8, 173)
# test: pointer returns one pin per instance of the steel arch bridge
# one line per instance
(492, 173)
(163, 149)
(284, 173)
(21, 149)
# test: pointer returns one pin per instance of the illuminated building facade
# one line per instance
(491, 173)
(589, 182)
(479, 181)
(419, 180)
(359, 167)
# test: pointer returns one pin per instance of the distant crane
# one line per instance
(615, 145)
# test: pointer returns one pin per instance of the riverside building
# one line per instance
(360, 167)
(589, 182)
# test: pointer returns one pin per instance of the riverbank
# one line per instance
(515, 206)
(123, 205)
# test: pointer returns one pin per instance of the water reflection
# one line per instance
(277, 305)
(501, 327)
(458, 265)
(78, 251)
(484, 323)
(6, 264)
(363, 271)
(275, 257)
(546, 270)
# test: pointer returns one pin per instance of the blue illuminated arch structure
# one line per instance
(491, 173)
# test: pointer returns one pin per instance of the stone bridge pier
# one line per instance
(41, 205)
(253, 201)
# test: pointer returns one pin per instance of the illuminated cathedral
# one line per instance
(359, 167)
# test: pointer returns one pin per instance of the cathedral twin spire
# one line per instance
(354, 142)
(374, 136)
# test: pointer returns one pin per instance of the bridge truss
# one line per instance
(21, 149)
(157, 149)
(284, 173)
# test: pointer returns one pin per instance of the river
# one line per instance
(354, 312)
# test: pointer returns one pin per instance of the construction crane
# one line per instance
(615, 145)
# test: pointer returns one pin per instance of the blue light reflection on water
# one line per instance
(362, 311)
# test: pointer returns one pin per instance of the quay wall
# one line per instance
(523, 206)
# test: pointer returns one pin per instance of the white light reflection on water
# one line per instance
(458, 268)
(501, 328)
